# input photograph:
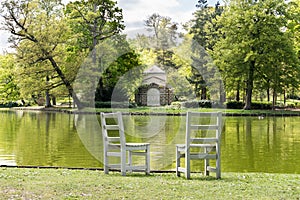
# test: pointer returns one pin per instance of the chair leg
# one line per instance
(130, 160)
(106, 168)
(218, 168)
(187, 165)
(123, 163)
(206, 163)
(177, 162)
(148, 160)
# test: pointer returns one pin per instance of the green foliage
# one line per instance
(115, 74)
(199, 104)
(254, 105)
(204, 31)
(10, 104)
(94, 20)
(112, 104)
(255, 47)
(40, 34)
(9, 89)
(234, 105)
(51, 44)
(161, 48)
(164, 31)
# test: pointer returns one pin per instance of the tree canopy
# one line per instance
(253, 46)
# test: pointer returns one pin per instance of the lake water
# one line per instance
(249, 144)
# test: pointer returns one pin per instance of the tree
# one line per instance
(255, 46)
(294, 30)
(164, 38)
(95, 21)
(39, 33)
(9, 90)
(204, 30)
(121, 69)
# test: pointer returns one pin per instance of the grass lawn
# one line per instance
(169, 111)
(24, 183)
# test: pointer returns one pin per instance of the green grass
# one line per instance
(22, 183)
(173, 111)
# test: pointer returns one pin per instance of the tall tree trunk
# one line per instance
(249, 86)
(284, 98)
(66, 83)
(203, 93)
(48, 99)
(222, 92)
(268, 91)
(53, 98)
(274, 99)
(237, 98)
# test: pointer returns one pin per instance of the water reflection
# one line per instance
(249, 144)
(266, 145)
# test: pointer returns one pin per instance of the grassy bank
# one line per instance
(169, 111)
(21, 183)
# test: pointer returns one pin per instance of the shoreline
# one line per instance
(170, 112)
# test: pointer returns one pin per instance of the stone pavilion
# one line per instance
(154, 90)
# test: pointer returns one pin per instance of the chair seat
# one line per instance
(137, 144)
(181, 147)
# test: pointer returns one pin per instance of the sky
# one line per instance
(135, 12)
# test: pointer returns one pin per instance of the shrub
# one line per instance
(176, 104)
(10, 104)
(254, 105)
(235, 105)
(109, 104)
(261, 105)
(293, 96)
(198, 104)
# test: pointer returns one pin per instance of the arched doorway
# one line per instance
(153, 97)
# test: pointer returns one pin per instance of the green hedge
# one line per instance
(234, 105)
(108, 104)
(198, 104)
(254, 105)
(10, 105)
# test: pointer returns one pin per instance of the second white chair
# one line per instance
(202, 142)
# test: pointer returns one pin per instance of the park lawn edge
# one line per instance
(163, 111)
(34, 183)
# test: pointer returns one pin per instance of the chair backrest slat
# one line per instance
(204, 140)
(117, 127)
(210, 122)
(112, 127)
(113, 139)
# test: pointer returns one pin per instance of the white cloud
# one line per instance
(135, 12)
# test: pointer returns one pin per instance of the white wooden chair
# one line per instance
(202, 142)
(115, 145)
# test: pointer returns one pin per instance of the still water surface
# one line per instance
(248, 144)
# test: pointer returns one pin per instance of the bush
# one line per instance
(254, 105)
(109, 104)
(198, 104)
(293, 96)
(261, 105)
(176, 104)
(235, 105)
(10, 104)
